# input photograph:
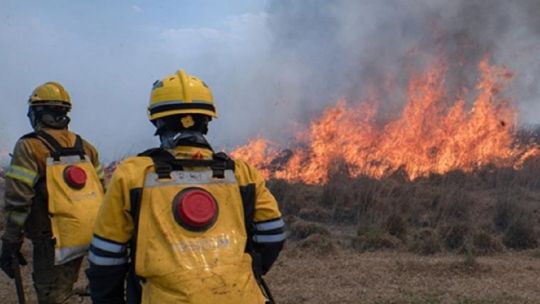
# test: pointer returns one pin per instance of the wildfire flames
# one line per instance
(432, 135)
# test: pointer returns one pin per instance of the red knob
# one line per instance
(195, 208)
(75, 177)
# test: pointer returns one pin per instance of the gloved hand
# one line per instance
(10, 250)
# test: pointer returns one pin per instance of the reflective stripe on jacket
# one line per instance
(115, 224)
(25, 194)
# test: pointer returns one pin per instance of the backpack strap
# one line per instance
(247, 193)
(29, 135)
(57, 150)
(161, 159)
(165, 163)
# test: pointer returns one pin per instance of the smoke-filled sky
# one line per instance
(270, 64)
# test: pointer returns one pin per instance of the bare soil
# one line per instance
(398, 277)
(346, 276)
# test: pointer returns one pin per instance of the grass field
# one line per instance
(346, 276)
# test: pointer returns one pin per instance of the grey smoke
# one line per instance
(269, 71)
(340, 48)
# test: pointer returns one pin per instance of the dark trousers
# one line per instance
(53, 284)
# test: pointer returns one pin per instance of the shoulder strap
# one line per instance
(247, 193)
(57, 150)
(29, 135)
(165, 163)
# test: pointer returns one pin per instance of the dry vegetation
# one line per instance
(478, 213)
(458, 238)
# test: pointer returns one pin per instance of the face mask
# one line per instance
(51, 119)
(170, 140)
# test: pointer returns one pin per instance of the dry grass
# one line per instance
(483, 212)
(455, 238)
(391, 277)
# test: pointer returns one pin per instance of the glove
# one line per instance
(9, 251)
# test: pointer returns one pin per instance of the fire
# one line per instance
(431, 136)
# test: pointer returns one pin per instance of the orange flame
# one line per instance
(431, 135)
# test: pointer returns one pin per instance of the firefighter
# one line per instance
(52, 194)
(186, 224)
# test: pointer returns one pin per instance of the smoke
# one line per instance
(325, 50)
(268, 69)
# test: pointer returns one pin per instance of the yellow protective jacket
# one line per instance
(26, 200)
(174, 263)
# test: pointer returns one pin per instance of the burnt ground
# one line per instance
(457, 238)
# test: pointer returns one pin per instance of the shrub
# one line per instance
(315, 214)
(318, 244)
(455, 205)
(505, 212)
(486, 243)
(374, 241)
(454, 235)
(520, 234)
(396, 226)
(425, 241)
(301, 229)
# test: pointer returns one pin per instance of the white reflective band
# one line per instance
(272, 238)
(189, 178)
(107, 246)
(22, 170)
(270, 225)
(64, 255)
(17, 217)
(18, 203)
(22, 174)
(106, 261)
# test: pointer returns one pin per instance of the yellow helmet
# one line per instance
(180, 93)
(50, 94)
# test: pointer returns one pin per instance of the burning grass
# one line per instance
(433, 134)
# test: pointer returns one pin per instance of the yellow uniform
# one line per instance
(27, 212)
(26, 196)
(190, 255)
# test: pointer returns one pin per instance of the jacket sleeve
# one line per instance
(21, 178)
(269, 229)
(108, 254)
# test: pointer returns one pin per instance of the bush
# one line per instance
(454, 235)
(318, 244)
(455, 205)
(520, 235)
(315, 214)
(485, 243)
(301, 229)
(425, 242)
(505, 212)
(375, 240)
(396, 226)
